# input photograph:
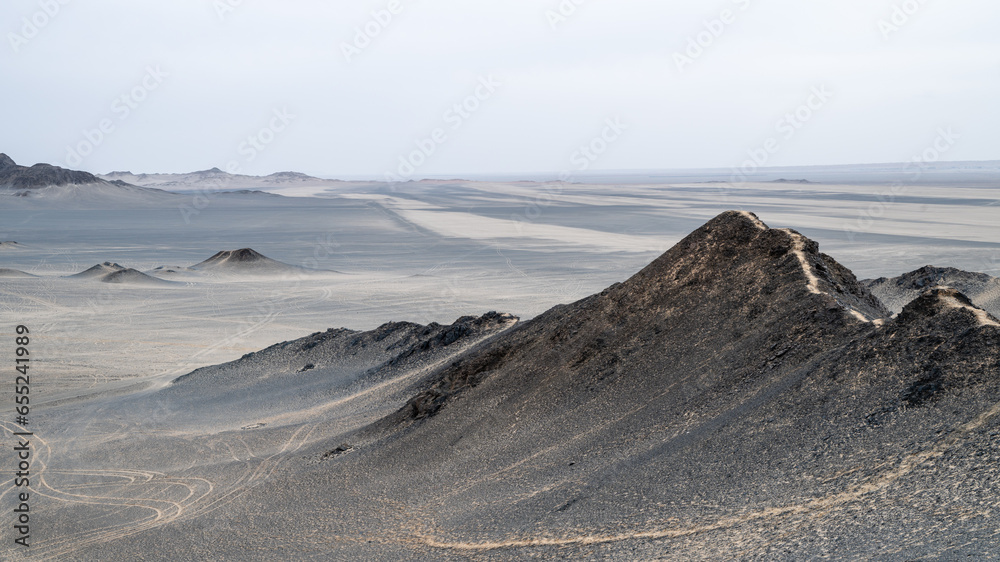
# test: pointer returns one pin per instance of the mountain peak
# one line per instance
(736, 221)
(6, 161)
(241, 255)
(244, 261)
(736, 256)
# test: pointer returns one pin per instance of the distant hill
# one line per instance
(99, 270)
(247, 261)
(109, 272)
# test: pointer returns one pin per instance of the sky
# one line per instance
(415, 88)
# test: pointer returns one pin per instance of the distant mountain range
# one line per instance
(214, 180)
(48, 182)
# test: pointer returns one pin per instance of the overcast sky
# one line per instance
(646, 84)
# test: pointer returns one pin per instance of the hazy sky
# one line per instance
(348, 88)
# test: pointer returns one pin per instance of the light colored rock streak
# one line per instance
(755, 220)
(798, 248)
(981, 315)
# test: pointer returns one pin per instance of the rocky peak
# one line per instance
(6, 161)
(735, 256)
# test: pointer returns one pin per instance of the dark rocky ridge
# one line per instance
(929, 276)
(732, 280)
(742, 397)
(337, 364)
(713, 377)
(389, 345)
(13, 176)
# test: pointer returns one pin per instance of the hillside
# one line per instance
(741, 397)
